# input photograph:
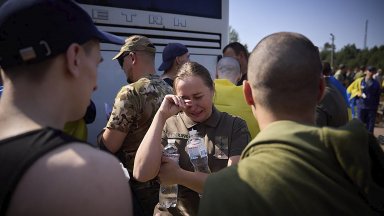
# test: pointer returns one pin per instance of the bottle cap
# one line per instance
(192, 132)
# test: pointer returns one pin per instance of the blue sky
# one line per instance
(316, 19)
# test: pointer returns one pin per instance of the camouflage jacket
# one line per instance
(135, 106)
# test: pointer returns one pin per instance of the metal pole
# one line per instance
(333, 49)
(365, 35)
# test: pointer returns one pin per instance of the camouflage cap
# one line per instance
(136, 43)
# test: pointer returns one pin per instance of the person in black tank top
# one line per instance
(49, 53)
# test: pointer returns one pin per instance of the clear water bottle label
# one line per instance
(174, 157)
(196, 149)
(193, 151)
(203, 150)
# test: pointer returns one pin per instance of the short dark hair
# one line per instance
(238, 48)
(371, 69)
(327, 70)
(284, 70)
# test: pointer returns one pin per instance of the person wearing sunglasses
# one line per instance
(134, 108)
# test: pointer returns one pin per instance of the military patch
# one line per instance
(176, 135)
(221, 147)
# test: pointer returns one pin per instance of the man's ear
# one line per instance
(133, 57)
(73, 59)
(321, 89)
(247, 91)
(177, 60)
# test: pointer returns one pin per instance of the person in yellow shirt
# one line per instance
(229, 97)
(78, 128)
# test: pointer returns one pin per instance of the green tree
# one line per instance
(376, 57)
(353, 57)
(326, 52)
(346, 55)
(327, 47)
(233, 35)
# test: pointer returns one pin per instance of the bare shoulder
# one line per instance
(75, 179)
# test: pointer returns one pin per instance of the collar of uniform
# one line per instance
(147, 77)
(212, 121)
(152, 76)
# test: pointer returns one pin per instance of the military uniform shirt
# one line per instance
(225, 136)
(135, 106)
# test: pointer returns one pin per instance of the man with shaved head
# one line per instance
(293, 167)
(229, 97)
(228, 68)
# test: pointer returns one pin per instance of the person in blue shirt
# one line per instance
(366, 92)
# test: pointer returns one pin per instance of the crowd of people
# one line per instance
(277, 125)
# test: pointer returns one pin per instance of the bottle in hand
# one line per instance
(168, 193)
(197, 152)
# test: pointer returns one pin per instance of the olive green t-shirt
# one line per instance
(295, 169)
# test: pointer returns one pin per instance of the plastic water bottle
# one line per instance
(168, 193)
(197, 152)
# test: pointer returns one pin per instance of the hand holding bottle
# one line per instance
(169, 170)
(168, 192)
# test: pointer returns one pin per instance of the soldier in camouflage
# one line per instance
(135, 106)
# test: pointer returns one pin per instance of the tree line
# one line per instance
(353, 57)
(349, 55)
